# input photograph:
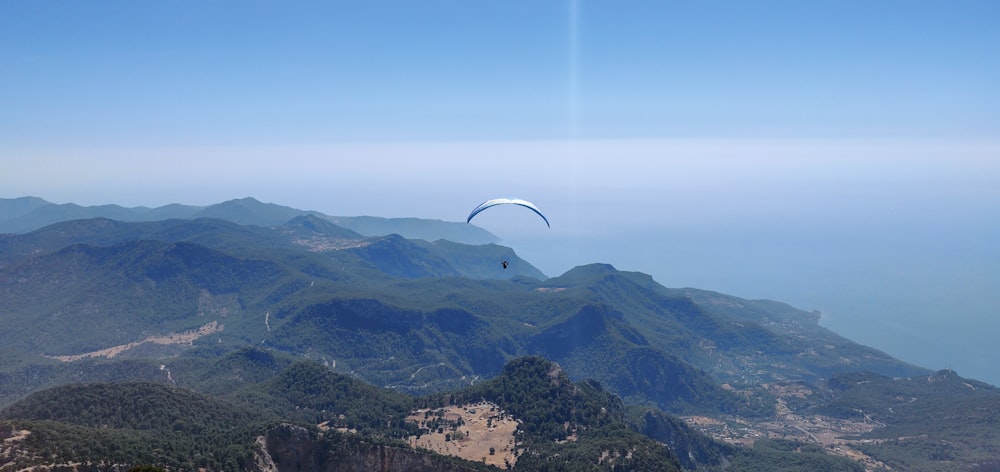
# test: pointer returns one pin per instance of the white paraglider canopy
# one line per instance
(507, 201)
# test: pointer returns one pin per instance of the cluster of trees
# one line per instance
(318, 395)
(55, 442)
(135, 406)
(435, 422)
(135, 423)
(789, 456)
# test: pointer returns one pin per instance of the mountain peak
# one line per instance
(590, 270)
(249, 210)
(247, 201)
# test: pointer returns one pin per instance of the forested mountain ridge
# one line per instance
(227, 309)
(26, 214)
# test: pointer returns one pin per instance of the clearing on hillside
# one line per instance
(480, 432)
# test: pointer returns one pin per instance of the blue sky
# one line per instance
(196, 73)
(842, 155)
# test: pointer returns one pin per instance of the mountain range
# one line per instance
(227, 301)
(25, 214)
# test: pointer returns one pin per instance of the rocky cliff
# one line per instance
(291, 448)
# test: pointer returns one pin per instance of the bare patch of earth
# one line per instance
(184, 338)
(18, 436)
(470, 432)
(323, 243)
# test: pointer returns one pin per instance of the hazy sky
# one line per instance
(841, 156)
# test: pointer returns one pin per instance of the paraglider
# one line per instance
(505, 201)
